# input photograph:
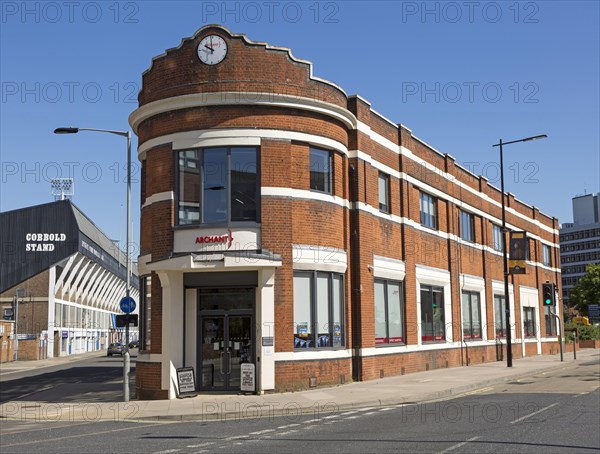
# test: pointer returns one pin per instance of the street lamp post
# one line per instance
(505, 248)
(127, 134)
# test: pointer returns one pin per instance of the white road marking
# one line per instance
(237, 437)
(167, 451)
(201, 445)
(458, 445)
(349, 413)
(260, 432)
(287, 432)
(534, 413)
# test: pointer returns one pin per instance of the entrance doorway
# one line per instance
(225, 337)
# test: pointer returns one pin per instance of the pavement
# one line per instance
(407, 389)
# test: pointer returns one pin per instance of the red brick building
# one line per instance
(288, 225)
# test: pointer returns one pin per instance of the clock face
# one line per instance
(212, 50)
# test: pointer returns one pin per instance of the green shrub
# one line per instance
(585, 332)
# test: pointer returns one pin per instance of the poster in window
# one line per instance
(518, 253)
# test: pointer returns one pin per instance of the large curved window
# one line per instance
(218, 185)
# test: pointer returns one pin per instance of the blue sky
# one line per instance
(460, 75)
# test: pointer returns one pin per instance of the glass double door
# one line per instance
(225, 343)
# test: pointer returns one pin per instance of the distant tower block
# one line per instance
(62, 188)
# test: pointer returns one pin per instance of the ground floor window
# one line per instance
(471, 315)
(432, 313)
(318, 310)
(550, 322)
(145, 312)
(500, 316)
(389, 312)
(529, 321)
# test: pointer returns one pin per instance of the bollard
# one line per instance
(126, 370)
(575, 344)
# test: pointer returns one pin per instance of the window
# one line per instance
(497, 237)
(471, 315)
(500, 316)
(546, 255)
(384, 192)
(529, 321)
(389, 312)
(467, 226)
(432, 313)
(318, 310)
(145, 311)
(218, 185)
(550, 322)
(427, 205)
(320, 170)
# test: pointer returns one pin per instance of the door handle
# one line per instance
(222, 358)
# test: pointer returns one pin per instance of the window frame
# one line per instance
(434, 338)
(329, 153)
(386, 206)
(432, 205)
(551, 330)
(470, 294)
(502, 311)
(546, 255)
(467, 229)
(199, 158)
(332, 332)
(386, 284)
(145, 329)
(497, 238)
(529, 320)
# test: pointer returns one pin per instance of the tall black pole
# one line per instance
(505, 259)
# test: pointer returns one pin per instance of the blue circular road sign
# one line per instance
(127, 304)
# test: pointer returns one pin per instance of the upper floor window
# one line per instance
(384, 192)
(218, 185)
(497, 237)
(428, 207)
(546, 256)
(320, 170)
(467, 226)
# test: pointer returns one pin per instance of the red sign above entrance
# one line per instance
(216, 239)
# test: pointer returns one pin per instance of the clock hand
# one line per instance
(209, 48)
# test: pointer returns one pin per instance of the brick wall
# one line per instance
(285, 220)
(147, 381)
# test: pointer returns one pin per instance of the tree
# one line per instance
(587, 290)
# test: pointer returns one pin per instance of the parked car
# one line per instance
(133, 344)
(115, 348)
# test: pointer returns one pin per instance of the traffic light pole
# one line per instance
(560, 341)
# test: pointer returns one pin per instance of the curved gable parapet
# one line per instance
(249, 67)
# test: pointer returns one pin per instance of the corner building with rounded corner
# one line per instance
(289, 226)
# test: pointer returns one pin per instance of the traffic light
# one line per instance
(548, 294)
